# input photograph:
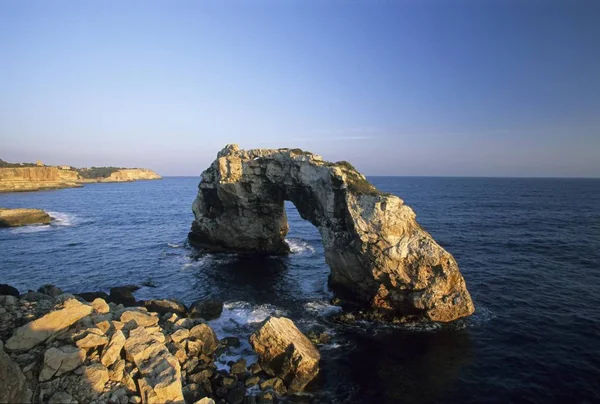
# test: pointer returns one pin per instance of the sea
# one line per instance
(529, 250)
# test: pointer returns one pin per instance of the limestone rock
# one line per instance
(100, 306)
(180, 335)
(379, 256)
(161, 372)
(96, 375)
(14, 387)
(139, 318)
(23, 217)
(37, 331)
(163, 306)
(204, 333)
(92, 340)
(285, 352)
(112, 352)
(58, 361)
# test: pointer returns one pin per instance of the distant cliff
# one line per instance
(13, 179)
(37, 178)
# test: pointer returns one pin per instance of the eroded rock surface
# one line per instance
(285, 352)
(380, 257)
(23, 217)
(37, 331)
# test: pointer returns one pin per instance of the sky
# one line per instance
(432, 88)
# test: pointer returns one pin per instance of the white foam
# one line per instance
(59, 219)
(174, 245)
(299, 246)
(63, 219)
(239, 314)
(322, 308)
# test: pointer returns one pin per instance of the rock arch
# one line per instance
(378, 254)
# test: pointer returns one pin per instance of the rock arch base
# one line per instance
(378, 254)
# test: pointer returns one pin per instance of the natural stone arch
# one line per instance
(378, 254)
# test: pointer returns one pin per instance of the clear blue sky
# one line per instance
(500, 88)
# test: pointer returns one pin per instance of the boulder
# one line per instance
(37, 331)
(58, 361)
(160, 371)
(50, 290)
(123, 295)
(91, 296)
(380, 258)
(112, 352)
(139, 318)
(163, 306)
(96, 375)
(14, 387)
(100, 306)
(285, 352)
(92, 340)
(207, 309)
(205, 334)
(7, 290)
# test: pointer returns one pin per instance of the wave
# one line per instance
(59, 219)
(63, 219)
(299, 246)
(322, 308)
(174, 245)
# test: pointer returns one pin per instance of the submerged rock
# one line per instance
(379, 256)
(286, 353)
(23, 217)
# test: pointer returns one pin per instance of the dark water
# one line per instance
(529, 250)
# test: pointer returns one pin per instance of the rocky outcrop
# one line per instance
(286, 353)
(131, 174)
(15, 179)
(122, 355)
(23, 217)
(380, 257)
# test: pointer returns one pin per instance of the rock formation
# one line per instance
(23, 217)
(379, 255)
(286, 353)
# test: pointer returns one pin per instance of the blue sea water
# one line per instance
(529, 250)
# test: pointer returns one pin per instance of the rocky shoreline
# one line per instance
(61, 348)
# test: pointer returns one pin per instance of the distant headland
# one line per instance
(20, 177)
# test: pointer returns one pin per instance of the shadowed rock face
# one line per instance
(379, 255)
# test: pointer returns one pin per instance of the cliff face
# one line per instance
(36, 178)
(42, 178)
(379, 255)
(132, 174)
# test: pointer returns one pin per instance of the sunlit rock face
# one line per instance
(379, 255)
